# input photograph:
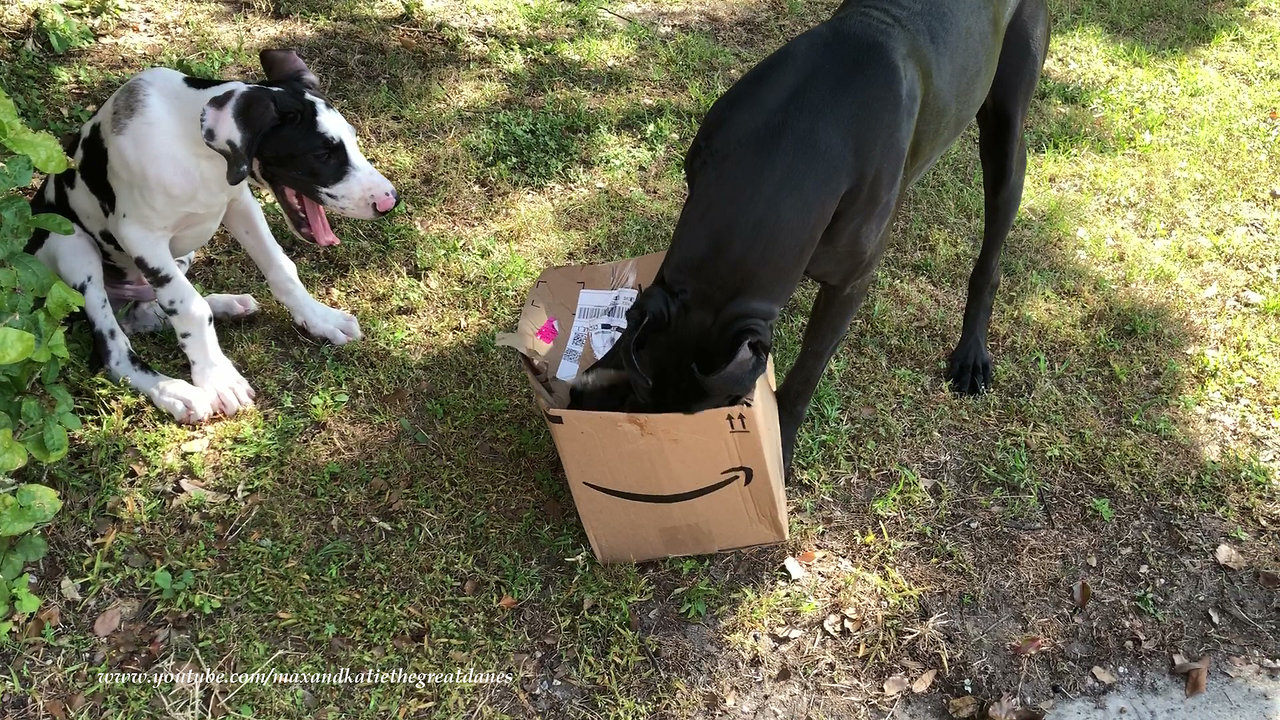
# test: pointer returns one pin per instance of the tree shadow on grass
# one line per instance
(406, 485)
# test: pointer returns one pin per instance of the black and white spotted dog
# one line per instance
(159, 167)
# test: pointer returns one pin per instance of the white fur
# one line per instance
(171, 194)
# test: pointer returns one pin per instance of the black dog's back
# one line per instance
(799, 168)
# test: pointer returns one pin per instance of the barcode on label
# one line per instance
(599, 319)
(615, 312)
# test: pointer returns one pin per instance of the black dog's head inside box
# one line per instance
(648, 485)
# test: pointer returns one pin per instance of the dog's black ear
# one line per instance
(282, 65)
(234, 122)
(738, 376)
(651, 312)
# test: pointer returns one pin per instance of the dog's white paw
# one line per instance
(230, 391)
(184, 401)
(326, 323)
(232, 306)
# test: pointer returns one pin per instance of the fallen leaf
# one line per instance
(1239, 667)
(895, 685)
(1004, 709)
(784, 674)
(1104, 676)
(107, 622)
(922, 683)
(1028, 646)
(964, 707)
(1213, 616)
(138, 469)
(1197, 673)
(1229, 557)
(508, 602)
(197, 445)
(69, 589)
(833, 624)
(1081, 593)
(1093, 561)
(200, 493)
(470, 586)
(55, 709)
(788, 632)
(809, 557)
(794, 568)
(51, 616)
(1268, 579)
(1010, 708)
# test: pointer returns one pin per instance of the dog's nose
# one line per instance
(386, 203)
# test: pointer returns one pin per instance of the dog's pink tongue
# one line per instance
(319, 223)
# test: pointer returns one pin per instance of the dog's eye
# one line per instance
(323, 154)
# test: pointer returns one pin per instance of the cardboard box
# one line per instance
(648, 485)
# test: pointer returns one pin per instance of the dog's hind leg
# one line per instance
(1004, 164)
(77, 260)
(148, 317)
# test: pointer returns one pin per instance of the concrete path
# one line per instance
(1157, 698)
(1254, 698)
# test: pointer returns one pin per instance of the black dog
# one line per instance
(799, 170)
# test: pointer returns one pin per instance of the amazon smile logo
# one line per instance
(734, 473)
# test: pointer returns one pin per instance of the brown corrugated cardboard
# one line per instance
(648, 485)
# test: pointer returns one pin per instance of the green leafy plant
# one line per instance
(1102, 506)
(22, 510)
(180, 591)
(36, 411)
(63, 29)
(696, 599)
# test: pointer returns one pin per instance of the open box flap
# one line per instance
(546, 321)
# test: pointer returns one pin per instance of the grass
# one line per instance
(385, 498)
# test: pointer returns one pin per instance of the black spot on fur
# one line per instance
(199, 83)
(211, 320)
(154, 275)
(52, 198)
(129, 99)
(220, 101)
(297, 154)
(101, 350)
(170, 311)
(184, 335)
(93, 168)
(111, 334)
(112, 272)
(138, 363)
(108, 239)
(71, 145)
(36, 242)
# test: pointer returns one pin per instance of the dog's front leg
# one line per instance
(833, 310)
(246, 223)
(192, 319)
